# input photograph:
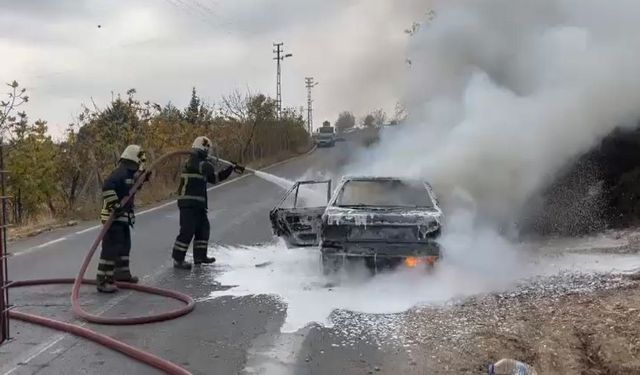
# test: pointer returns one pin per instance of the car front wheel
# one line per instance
(331, 263)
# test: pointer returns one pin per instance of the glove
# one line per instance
(132, 219)
(238, 168)
(117, 209)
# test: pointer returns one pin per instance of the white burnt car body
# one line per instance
(384, 221)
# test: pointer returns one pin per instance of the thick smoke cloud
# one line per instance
(504, 93)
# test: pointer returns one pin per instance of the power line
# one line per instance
(280, 55)
(310, 84)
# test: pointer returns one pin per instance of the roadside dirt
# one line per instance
(582, 332)
(31, 230)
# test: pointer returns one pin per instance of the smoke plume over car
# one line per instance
(504, 93)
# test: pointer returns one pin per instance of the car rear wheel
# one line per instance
(331, 263)
(381, 264)
(334, 263)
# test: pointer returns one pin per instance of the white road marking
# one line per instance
(88, 229)
(56, 339)
(50, 242)
(40, 349)
(39, 247)
(95, 227)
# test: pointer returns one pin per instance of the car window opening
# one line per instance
(386, 193)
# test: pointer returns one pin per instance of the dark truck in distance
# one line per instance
(382, 221)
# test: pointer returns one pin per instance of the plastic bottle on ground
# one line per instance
(511, 367)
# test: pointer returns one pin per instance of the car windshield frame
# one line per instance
(430, 202)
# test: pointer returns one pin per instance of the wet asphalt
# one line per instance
(228, 335)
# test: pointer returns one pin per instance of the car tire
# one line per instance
(331, 263)
(382, 264)
(334, 263)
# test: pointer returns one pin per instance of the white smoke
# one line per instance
(503, 93)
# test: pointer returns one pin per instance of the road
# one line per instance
(226, 335)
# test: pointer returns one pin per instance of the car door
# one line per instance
(298, 215)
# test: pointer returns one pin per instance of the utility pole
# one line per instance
(280, 55)
(310, 84)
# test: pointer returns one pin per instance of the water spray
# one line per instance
(282, 182)
(137, 354)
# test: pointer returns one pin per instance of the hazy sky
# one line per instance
(354, 48)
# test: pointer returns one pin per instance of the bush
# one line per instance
(65, 178)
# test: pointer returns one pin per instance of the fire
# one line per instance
(413, 262)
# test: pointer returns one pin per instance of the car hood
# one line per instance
(382, 216)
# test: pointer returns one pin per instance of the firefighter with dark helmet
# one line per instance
(116, 243)
(192, 202)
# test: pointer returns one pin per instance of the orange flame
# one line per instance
(411, 262)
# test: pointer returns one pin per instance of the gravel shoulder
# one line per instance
(592, 328)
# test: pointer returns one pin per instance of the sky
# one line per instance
(355, 49)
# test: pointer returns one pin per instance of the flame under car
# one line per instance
(384, 222)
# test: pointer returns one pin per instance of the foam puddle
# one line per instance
(294, 276)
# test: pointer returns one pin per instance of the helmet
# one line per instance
(134, 153)
(202, 143)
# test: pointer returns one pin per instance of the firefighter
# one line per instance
(192, 203)
(116, 244)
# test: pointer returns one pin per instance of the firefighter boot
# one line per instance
(106, 284)
(181, 264)
(122, 272)
(200, 253)
(205, 260)
(125, 277)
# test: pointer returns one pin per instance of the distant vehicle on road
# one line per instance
(384, 221)
(326, 136)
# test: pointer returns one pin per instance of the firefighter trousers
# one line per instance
(194, 225)
(114, 257)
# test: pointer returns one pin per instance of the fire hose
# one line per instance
(135, 353)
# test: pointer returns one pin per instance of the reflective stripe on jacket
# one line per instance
(197, 172)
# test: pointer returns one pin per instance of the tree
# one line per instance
(170, 113)
(192, 113)
(379, 117)
(399, 114)
(368, 121)
(15, 98)
(346, 120)
(50, 178)
(34, 170)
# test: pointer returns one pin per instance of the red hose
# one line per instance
(138, 354)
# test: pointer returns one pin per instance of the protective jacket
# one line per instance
(197, 172)
(115, 188)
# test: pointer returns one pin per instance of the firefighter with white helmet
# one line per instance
(192, 203)
(116, 244)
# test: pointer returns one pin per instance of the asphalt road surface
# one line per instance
(227, 335)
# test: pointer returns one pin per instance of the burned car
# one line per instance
(298, 215)
(382, 221)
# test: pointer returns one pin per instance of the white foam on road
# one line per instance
(295, 277)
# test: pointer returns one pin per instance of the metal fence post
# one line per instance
(4, 277)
